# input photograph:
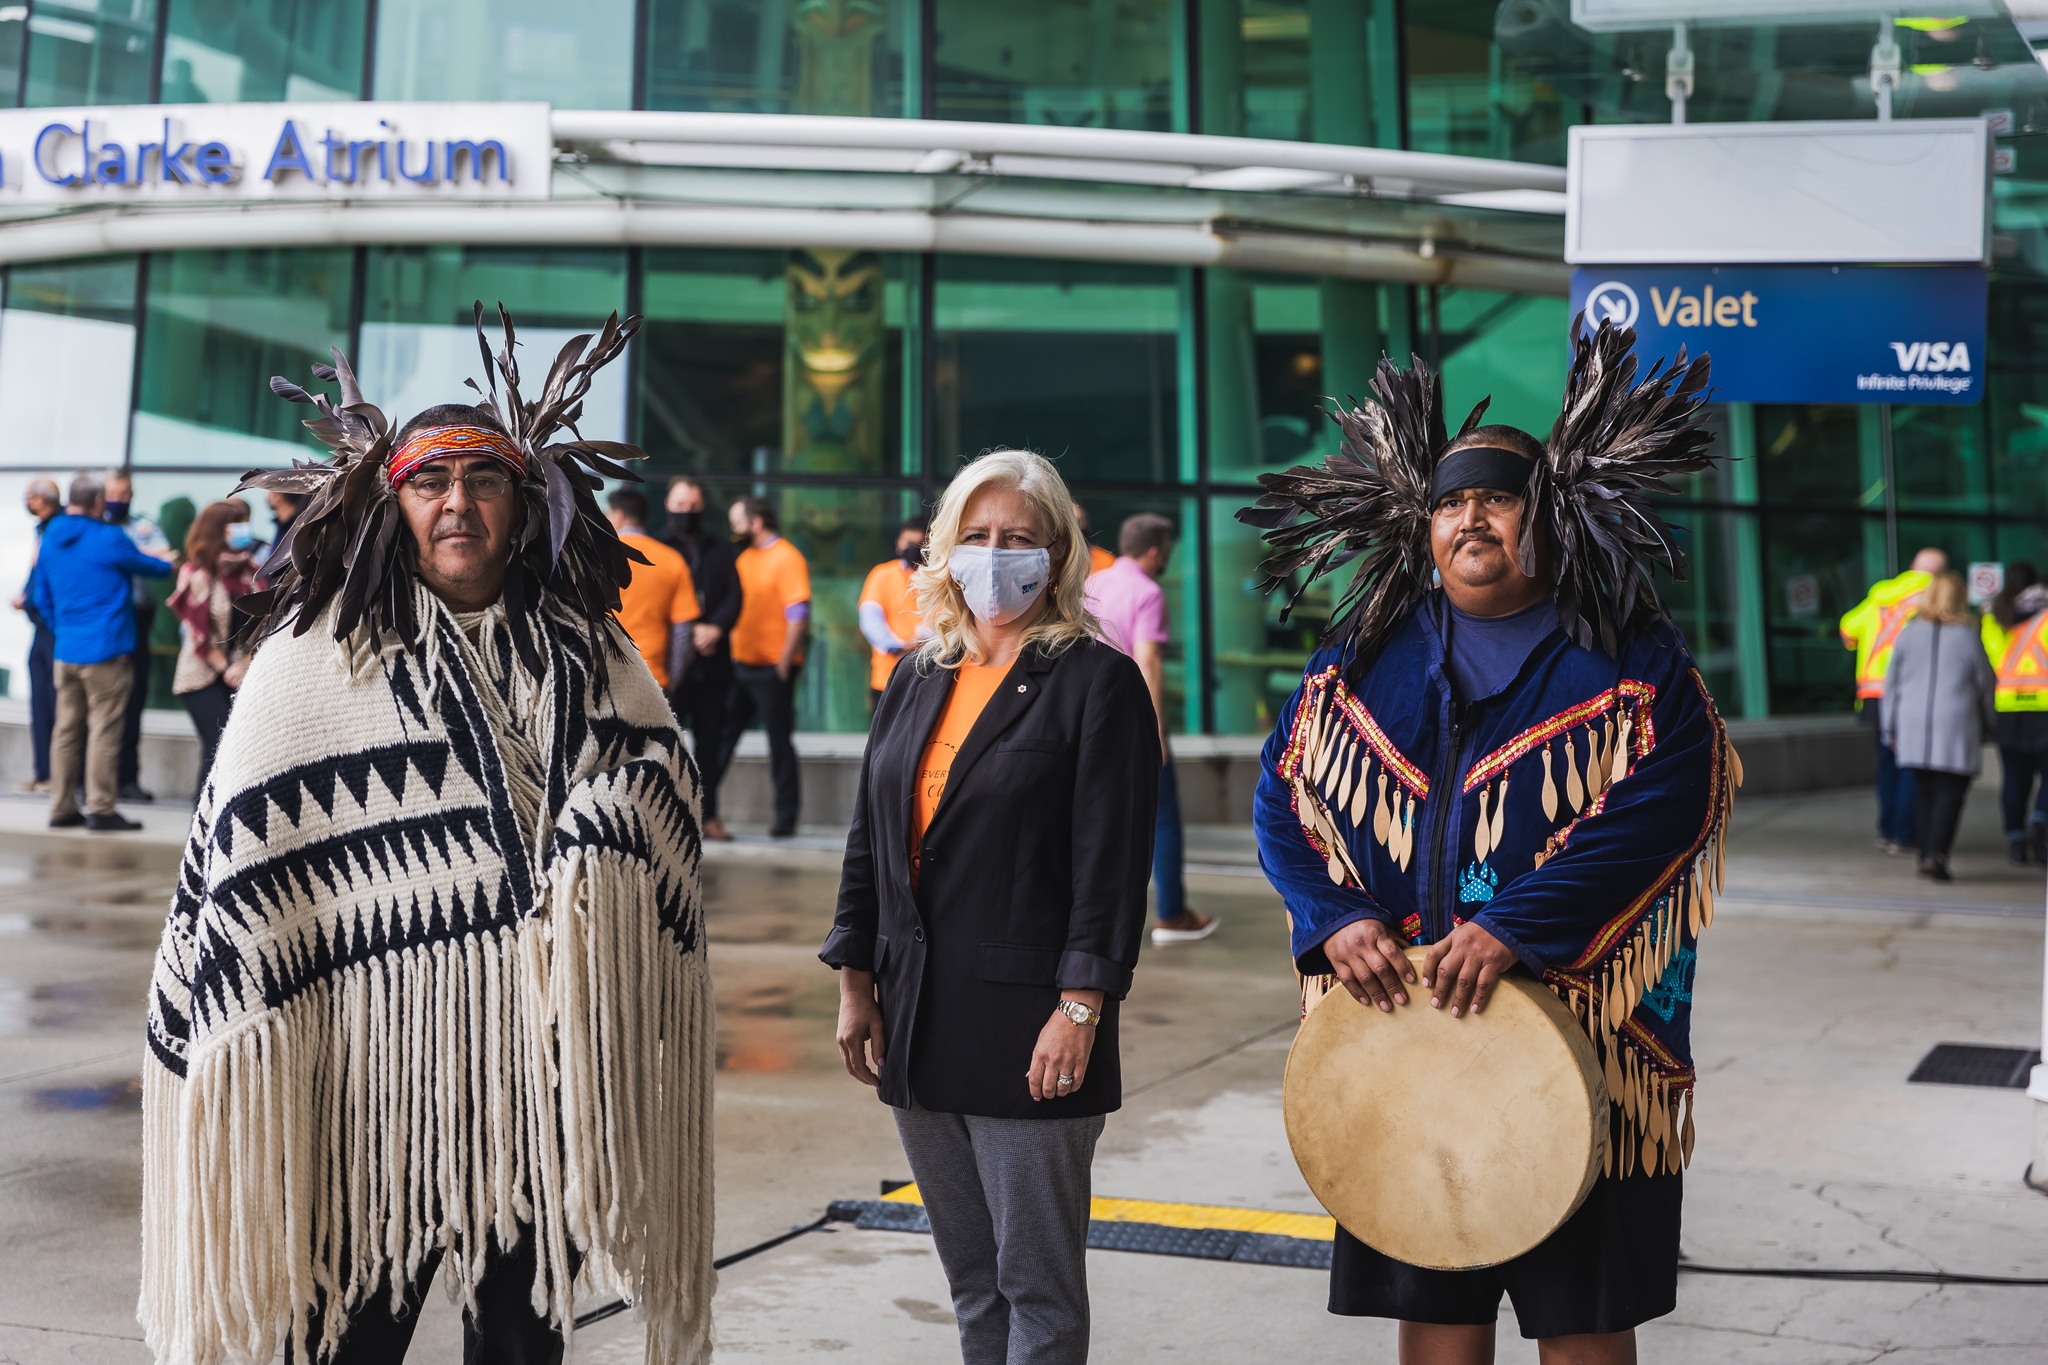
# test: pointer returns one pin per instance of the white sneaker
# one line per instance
(1188, 928)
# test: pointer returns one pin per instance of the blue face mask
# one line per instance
(241, 535)
(117, 512)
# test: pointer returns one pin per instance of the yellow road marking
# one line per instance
(1314, 1227)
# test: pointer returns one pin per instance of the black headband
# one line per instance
(1480, 467)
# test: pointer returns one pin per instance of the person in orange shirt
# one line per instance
(768, 650)
(660, 598)
(1098, 558)
(889, 617)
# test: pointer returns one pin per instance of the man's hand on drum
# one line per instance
(1367, 959)
(1462, 970)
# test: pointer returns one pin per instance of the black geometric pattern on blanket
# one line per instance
(373, 835)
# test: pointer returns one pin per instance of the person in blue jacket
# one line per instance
(1504, 751)
(82, 587)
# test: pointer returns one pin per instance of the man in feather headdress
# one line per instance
(432, 991)
(1549, 800)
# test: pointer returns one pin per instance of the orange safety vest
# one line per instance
(1878, 662)
(2023, 670)
(1872, 627)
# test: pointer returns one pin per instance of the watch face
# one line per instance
(1074, 1010)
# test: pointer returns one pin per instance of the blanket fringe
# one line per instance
(556, 1076)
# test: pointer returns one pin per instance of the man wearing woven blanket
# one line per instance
(432, 991)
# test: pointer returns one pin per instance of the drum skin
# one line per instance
(1447, 1143)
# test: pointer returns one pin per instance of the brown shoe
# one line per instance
(1189, 928)
(715, 830)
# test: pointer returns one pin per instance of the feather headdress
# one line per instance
(1617, 442)
(349, 546)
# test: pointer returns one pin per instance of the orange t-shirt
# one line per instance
(973, 685)
(772, 580)
(889, 586)
(1099, 559)
(660, 596)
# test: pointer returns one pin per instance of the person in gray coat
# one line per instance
(1938, 708)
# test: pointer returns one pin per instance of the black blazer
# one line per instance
(1033, 881)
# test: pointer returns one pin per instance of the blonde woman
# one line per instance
(1938, 710)
(993, 899)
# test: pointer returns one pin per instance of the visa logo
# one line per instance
(1932, 357)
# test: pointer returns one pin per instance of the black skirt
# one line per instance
(1611, 1267)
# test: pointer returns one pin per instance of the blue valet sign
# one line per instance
(1805, 333)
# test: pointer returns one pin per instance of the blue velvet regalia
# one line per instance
(1576, 816)
(1577, 813)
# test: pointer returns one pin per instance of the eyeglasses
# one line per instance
(482, 485)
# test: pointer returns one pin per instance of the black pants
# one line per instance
(130, 771)
(2023, 781)
(757, 691)
(699, 704)
(1938, 808)
(42, 697)
(504, 1329)
(208, 708)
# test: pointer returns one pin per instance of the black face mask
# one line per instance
(912, 556)
(689, 523)
(117, 512)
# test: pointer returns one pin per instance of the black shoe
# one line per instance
(103, 824)
(783, 832)
(2037, 841)
(133, 791)
(71, 821)
(2016, 852)
(1938, 871)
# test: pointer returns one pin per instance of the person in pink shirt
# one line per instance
(1131, 606)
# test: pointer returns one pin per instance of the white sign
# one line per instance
(1802, 595)
(1614, 15)
(1914, 191)
(208, 153)
(1986, 580)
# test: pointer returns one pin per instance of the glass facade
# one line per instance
(848, 385)
(222, 51)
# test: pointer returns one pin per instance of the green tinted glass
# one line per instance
(419, 338)
(218, 325)
(219, 52)
(1258, 657)
(99, 52)
(1077, 361)
(742, 57)
(1814, 570)
(1302, 70)
(576, 56)
(765, 361)
(1106, 65)
(67, 351)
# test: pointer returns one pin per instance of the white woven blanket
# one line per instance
(433, 973)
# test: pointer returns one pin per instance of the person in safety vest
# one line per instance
(2016, 637)
(1871, 628)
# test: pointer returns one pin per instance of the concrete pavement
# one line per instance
(1829, 972)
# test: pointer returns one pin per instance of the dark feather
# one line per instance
(1616, 445)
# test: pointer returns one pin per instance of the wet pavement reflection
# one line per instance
(79, 923)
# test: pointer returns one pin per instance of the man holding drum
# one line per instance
(1503, 751)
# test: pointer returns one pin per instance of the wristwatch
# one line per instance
(1080, 1013)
